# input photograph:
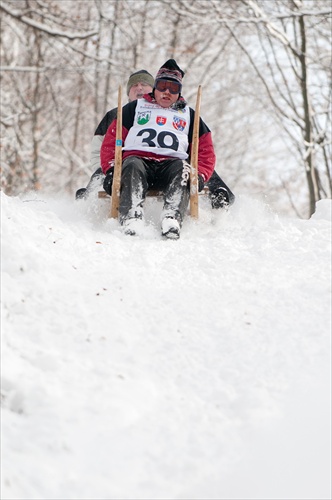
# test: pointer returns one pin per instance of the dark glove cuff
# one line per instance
(201, 183)
(108, 181)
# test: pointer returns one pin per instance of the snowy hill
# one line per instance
(137, 368)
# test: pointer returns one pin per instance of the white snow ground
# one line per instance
(137, 368)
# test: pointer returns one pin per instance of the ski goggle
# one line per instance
(173, 87)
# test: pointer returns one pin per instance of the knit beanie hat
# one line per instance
(141, 76)
(170, 71)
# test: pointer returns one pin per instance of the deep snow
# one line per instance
(137, 368)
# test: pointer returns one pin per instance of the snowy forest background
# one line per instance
(265, 68)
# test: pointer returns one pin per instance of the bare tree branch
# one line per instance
(43, 27)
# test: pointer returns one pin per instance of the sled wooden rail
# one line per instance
(115, 201)
(194, 159)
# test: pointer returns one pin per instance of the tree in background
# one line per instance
(298, 82)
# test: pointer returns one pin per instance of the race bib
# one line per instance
(162, 131)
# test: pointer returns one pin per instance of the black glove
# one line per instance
(201, 183)
(219, 198)
(108, 181)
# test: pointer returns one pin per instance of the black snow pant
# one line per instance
(169, 176)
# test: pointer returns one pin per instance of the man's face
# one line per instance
(138, 90)
(166, 92)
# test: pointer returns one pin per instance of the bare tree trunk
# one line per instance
(76, 135)
(97, 73)
(174, 39)
(34, 116)
(311, 172)
(110, 55)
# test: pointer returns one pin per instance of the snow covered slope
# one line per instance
(137, 368)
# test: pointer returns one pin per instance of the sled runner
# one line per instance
(115, 198)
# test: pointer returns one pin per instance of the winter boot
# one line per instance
(170, 228)
(133, 226)
(81, 194)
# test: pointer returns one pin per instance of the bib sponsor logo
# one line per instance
(161, 120)
(143, 117)
(179, 123)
